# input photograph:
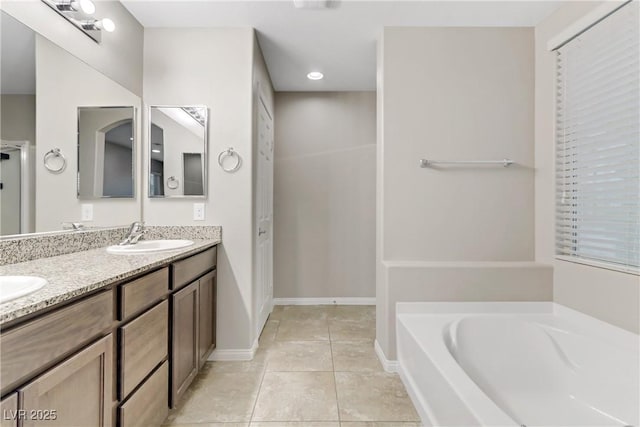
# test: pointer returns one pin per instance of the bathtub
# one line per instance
(516, 364)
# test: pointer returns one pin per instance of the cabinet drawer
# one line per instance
(143, 345)
(148, 406)
(193, 267)
(142, 293)
(39, 343)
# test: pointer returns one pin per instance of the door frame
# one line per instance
(25, 180)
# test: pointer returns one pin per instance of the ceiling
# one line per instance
(339, 41)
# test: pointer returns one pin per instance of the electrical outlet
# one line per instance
(198, 212)
(86, 212)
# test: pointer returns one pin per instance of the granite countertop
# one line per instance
(74, 274)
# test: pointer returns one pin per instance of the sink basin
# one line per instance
(149, 246)
(12, 287)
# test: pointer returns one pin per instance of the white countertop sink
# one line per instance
(149, 246)
(12, 287)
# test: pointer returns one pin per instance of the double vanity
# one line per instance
(112, 339)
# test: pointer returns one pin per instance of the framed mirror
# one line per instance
(178, 151)
(106, 152)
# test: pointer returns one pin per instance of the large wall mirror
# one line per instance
(178, 151)
(71, 156)
(106, 152)
(18, 130)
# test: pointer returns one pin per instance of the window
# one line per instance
(598, 143)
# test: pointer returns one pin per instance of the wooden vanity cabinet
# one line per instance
(193, 320)
(115, 358)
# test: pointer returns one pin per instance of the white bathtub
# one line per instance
(513, 364)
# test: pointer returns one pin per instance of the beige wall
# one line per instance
(458, 93)
(18, 117)
(325, 194)
(455, 94)
(64, 84)
(212, 67)
(608, 295)
(118, 56)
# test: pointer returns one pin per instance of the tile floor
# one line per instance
(316, 367)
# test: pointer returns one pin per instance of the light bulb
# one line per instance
(86, 6)
(106, 24)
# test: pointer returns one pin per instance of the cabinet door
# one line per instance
(207, 317)
(9, 411)
(184, 340)
(77, 392)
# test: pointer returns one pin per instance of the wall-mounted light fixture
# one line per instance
(79, 13)
(97, 25)
(85, 6)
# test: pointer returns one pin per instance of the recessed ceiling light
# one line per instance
(155, 151)
(315, 75)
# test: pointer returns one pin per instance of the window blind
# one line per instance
(598, 142)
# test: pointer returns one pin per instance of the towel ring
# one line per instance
(173, 183)
(54, 153)
(229, 152)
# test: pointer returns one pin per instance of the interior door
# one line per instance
(264, 215)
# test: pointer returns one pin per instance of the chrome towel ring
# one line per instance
(52, 157)
(173, 183)
(229, 152)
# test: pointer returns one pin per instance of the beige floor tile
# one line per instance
(300, 356)
(351, 330)
(298, 330)
(353, 312)
(355, 356)
(373, 396)
(257, 364)
(295, 424)
(218, 397)
(306, 312)
(378, 424)
(276, 313)
(297, 396)
(269, 332)
(209, 425)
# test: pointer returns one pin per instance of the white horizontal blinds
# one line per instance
(598, 142)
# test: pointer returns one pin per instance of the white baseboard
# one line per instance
(388, 365)
(326, 301)
(229, 355)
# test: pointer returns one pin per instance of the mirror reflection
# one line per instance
(18, 130)
(106, 166)
(177, 153)
(77, 149)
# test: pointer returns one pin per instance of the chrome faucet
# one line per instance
(75, 226)
(135, 233)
